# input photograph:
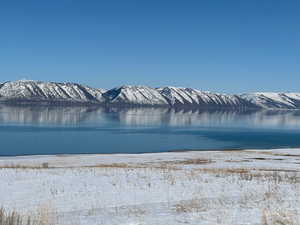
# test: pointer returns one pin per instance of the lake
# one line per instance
(28, 130)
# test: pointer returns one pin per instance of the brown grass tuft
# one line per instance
(14, 218)
(193, 205)
(19, 166)
(278, 218)
(194, 162)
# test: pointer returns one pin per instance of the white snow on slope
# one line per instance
(191, 96)
(35, 90)
(138, 95)
(25, 90)
(274, 100)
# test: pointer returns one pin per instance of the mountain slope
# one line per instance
(274, 100)
(49, 91)
(135, 95)
(38, 92)
(191, 97)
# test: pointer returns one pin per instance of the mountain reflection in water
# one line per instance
(68, 130)
(148, 117)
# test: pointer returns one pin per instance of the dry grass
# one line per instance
(274, 153)
(115, 165)
(266, 175)
(19, 166)
(137, 212)
(237, 161)
(221, 171)
(279, 218)
(11, 218)
(191, 206)
(193, 162)
(14, 218)
(161, 166)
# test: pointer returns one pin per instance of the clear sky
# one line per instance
(218, 45)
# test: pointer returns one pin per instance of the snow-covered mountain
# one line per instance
(135, 95)
(191, 97)
(172, 96)
(25, 91)
(274, 100)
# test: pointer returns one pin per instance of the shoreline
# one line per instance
(146, 153)
(82, 160)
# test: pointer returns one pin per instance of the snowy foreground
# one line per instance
(222, 187)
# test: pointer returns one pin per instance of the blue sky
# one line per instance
(224, 45)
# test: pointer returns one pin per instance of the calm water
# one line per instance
(62, 130)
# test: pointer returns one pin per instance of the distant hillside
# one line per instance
(38, 92)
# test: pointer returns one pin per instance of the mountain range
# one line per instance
(38, 92)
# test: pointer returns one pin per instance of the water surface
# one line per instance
(64, 130)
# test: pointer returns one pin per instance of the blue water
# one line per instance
(64, 130)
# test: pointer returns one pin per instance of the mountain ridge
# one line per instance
(38, 92)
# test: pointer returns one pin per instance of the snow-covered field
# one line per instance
(218, 187)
